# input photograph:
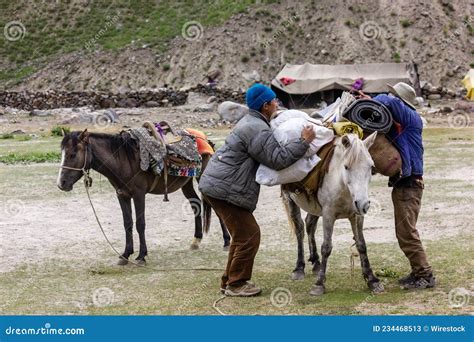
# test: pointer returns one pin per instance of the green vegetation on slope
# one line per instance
(52, 28)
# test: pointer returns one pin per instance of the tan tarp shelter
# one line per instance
(312, 78)
(468, 83)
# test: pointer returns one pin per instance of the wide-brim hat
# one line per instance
(405, 92)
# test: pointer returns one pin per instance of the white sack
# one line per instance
(288, 126)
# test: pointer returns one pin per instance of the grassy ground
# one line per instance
(58, 287)
(78, 276)
(57, 27)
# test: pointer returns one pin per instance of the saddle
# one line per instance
(182, 158)
(314, 180)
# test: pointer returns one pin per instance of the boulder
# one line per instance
(231, 111)
(434, 96)
(42, 113)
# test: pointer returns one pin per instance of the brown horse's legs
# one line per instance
(225, 235)
(139, 202)
(195, 202)
(357, 223)
(126, 206)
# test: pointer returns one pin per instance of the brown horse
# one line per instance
(116, 156)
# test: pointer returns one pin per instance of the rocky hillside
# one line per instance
(130, 47)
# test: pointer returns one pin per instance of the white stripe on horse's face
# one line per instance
(63, 157)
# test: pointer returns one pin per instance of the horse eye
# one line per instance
(346, 167)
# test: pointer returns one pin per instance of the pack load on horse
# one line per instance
(151, 159)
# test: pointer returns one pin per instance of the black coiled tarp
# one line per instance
(370, 115)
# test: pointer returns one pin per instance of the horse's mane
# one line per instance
(356, 151)
(117, 142)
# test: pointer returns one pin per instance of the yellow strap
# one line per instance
(346, 127)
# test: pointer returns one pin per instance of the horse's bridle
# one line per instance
(84, 169)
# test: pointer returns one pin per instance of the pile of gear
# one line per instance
(345, 116)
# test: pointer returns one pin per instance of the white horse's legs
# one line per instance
(311, 222)
(357, 224)
(294, 216)
(326, 248)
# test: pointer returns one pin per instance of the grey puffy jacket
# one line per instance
(230, 174)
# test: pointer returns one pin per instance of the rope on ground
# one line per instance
(214, 306)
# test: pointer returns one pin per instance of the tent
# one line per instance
(307, 84)
(468, 83)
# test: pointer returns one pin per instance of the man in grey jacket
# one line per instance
(229, 185)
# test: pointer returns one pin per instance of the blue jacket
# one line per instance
(407, 135)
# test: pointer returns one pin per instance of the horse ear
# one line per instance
(84, 136)
(346, 142)
(369, 141)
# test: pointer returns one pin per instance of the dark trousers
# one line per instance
(245, 234)
(407, 204)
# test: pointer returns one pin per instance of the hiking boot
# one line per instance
(246, 290)
(407, 279)
(420, 283)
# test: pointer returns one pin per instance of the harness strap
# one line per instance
(155, 183)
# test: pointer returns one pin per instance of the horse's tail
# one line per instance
(286, 203)
(207, 209)
(206, 214)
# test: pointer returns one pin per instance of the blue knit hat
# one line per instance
(257, 95)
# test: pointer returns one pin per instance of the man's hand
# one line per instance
(362, 95)
(308, 134)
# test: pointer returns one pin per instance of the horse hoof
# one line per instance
(316, 268)
(376, 287)
(226, 248)
(297, 275)
(140, 262)
(317, 290)
(122, 261)
(195, 244)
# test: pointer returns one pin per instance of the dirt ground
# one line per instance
(49, 241)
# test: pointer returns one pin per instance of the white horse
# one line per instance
(343, 194)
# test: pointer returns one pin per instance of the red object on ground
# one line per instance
(203, 145)
(287, 80)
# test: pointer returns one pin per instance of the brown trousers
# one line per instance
(407, 204)
(245, 234)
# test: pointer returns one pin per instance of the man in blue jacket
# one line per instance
(406, 135)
